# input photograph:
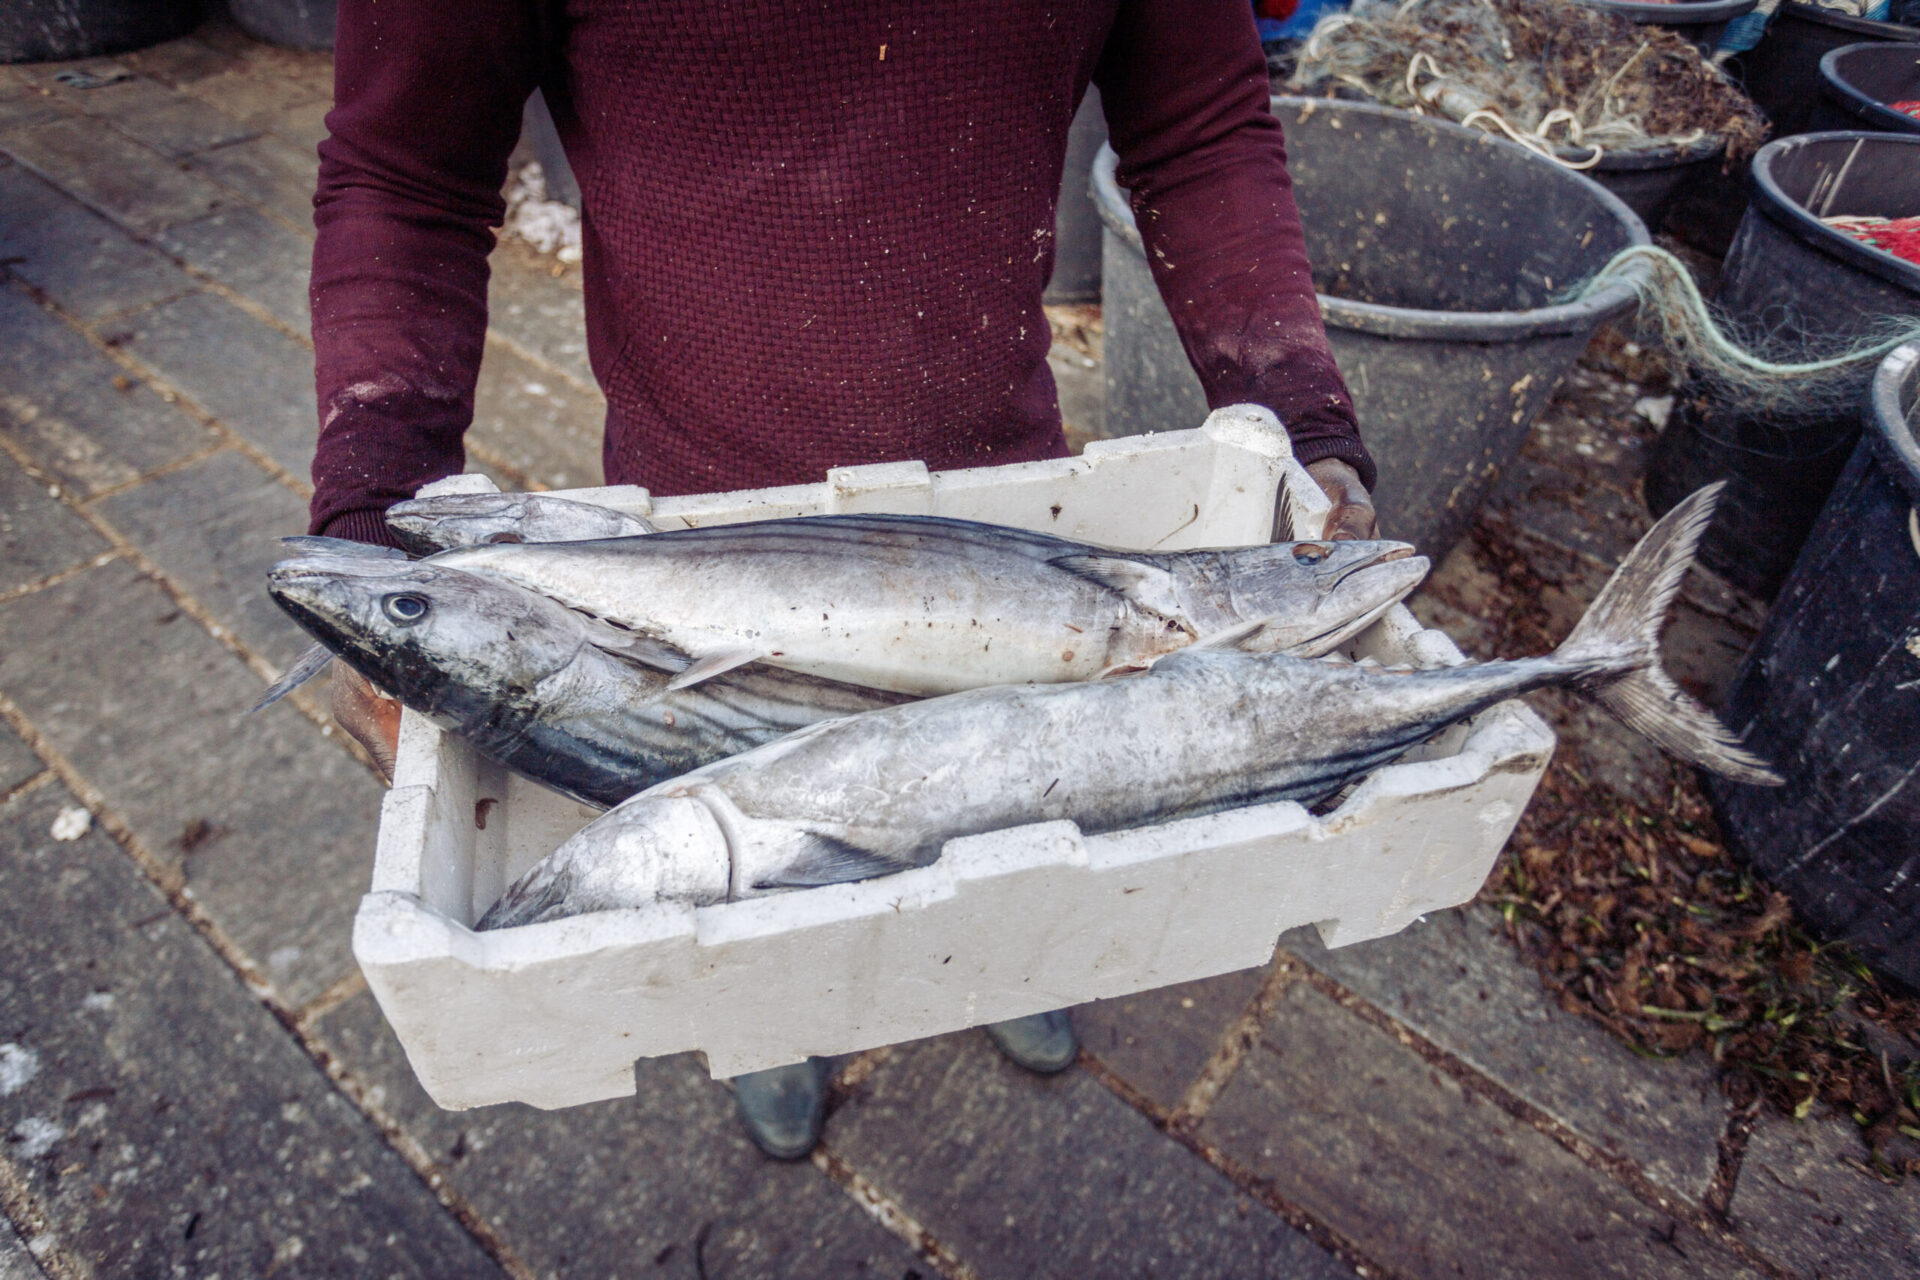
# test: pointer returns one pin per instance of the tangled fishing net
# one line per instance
(1568, 81)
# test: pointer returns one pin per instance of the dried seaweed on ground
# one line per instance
(1558, 74)
(1643, 920)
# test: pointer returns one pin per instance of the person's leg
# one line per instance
(783, 1108)
(1042, 1042)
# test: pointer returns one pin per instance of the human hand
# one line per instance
(1352, 515)
(369, 716)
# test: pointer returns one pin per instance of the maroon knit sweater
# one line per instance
(817, 231)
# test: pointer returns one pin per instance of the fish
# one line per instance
(426, 525)
(575, 704)
(924, 605)
(1200, 731)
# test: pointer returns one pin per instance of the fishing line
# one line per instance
(1674, 313)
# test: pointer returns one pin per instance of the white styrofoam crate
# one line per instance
(1004, 924)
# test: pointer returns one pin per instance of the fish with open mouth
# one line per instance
(1201, 731)
(427, 525)
(925, 605)
(576, 704)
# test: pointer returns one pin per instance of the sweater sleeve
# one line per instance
(427, 102)
(1184, 83)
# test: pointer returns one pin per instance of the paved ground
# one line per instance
(194, 1081)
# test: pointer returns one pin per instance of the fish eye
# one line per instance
(495, 538)
(1310, 553)
(405, 609)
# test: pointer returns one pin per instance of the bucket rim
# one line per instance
(1891, 433)
(1685, 13)
(1784, 211)
(1558, 319)
(1669, 156)
(1854, 101)
(1881, 31)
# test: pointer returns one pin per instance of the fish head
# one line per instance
(1317, 595)
(481, 519)
(440, 640)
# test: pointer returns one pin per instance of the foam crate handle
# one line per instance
(1004, 924)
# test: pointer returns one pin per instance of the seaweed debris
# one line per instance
(1639, 917)
(1560, 77)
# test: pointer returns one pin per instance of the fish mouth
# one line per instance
(1394, 551)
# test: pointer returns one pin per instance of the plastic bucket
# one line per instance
(1076, 223)
(1789, 272)
(51, 30)
(293, 24)
(1857, 81)
(1648, 182)
(1831, 694)
(1700, 23)
(1782, 72)
(1438, 252)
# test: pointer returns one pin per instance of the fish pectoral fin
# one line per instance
(818, 858)
(647, 651)
(709, 665)
(1145, 585)
(1233, 637)
(343, 547)
(309, 664)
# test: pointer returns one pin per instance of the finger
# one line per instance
(1351, 520)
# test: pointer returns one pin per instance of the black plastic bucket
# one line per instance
(1782, 72)
(1788, 272)
(1699, 22)
(1438, 252)
(1076, 223)
(1648, 182)
(1857, 81)
(53, 30)
(292, 24)
(1831, 695)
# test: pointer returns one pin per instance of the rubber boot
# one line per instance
(1042, 1042)
(783, 1108)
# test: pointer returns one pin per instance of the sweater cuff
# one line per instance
(366, 524)
(1346, 448)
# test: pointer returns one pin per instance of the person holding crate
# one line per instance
(815, 236)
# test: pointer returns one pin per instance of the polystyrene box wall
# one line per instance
(1004, 924)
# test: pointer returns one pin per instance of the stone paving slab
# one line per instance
(1361, 1132)
(170, 122)
(545, 315)
(74, 257)
(182, 62)
(1157, 1041)
(1457, 981)
(39, 535)
(270, 172)
(537, 423)
(1799, 1202)
(222, 555)
(168, 1123)
(1037, 1177)
(255, 379)
(15, 1262)
(17, 760)
(75, 412)
(112, 172)
(273, 825)
(247, 96)
(661, 1184)
(251, 254)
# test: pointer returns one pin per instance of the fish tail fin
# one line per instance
(1619, 642)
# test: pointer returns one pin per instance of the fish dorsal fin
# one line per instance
(1146, 586)
(709, 665)
(818, 858)
(343, 547)
(311, 662)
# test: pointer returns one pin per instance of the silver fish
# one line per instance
(925, 606)
(427, 525)
(576, 704)
(1201, 731)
